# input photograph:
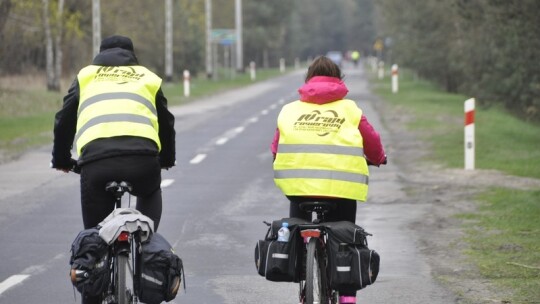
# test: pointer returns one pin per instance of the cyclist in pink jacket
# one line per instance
(324, 85)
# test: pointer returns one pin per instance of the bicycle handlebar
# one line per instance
(372, 164)
(75, 167)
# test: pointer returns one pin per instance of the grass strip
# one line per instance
(504, 238)
(504, 233)
(503, 142)
(201, 86)
(27, 115)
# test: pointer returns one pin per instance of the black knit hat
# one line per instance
(116, 41)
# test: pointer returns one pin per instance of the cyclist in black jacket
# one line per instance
(115, 115)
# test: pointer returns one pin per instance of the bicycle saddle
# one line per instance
(118, 188)
(317, 206)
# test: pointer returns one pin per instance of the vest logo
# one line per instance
(322, 123)
(119, 74)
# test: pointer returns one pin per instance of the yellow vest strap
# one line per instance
(118, 95)
(325, 149)
(322, 174)
(113, 118)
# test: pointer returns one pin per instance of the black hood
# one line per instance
(116, 57)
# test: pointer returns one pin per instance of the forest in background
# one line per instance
(271, 30)
(488, 49)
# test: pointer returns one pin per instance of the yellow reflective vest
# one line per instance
(320, 151)
(116, 101)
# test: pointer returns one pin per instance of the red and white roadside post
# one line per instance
(187, 80)
(252, 71)
(394, 78)
(381, 69)
(469, 134)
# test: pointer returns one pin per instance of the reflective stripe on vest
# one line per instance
(119, 95)
(327, 149)
(114, 118)
(322, 174)
(335, 166)
(116, 101)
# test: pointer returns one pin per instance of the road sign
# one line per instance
(378, 46)
(223, 36)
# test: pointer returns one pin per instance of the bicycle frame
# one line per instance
(315, 238)
(125, 258)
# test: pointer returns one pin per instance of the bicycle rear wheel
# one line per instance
(124, 281)
(316, 282)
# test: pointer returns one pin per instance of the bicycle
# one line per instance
(124, 255)
(315, 288)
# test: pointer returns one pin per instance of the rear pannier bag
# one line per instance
(162, 271)
(352, 265)
(89, 254)
(278, 261)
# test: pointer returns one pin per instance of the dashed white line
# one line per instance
(221, 141)
(232, 133)
(166, 183)
(12, 281)
(197, 159)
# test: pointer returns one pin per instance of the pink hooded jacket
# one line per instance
(323, 89)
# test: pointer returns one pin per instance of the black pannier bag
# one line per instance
(352, 265)
(90, 272)
(278, 261)
(162, 271)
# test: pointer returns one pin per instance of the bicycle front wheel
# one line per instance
(316, 282)
(123, 284)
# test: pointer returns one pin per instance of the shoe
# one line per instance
(347, 300)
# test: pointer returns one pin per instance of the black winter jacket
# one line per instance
(66, 123)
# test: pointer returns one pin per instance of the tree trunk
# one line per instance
(58, 46)
(49, 52)
(5, 6)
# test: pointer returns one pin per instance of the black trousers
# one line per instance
(144, 174)
(345, 211)
(142, 171)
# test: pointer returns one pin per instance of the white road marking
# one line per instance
(27, 272)
(197, 159)
(239, 129)
(12, 281)
(264, 112)
(253, 119)
(221, 141)
(166, 183)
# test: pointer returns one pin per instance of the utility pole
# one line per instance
(168, 41)
(96, 25)
(209, 70)
(239, 46)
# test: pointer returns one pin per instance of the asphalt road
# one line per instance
(215, 201)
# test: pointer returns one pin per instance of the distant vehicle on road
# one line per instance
(335, 56)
